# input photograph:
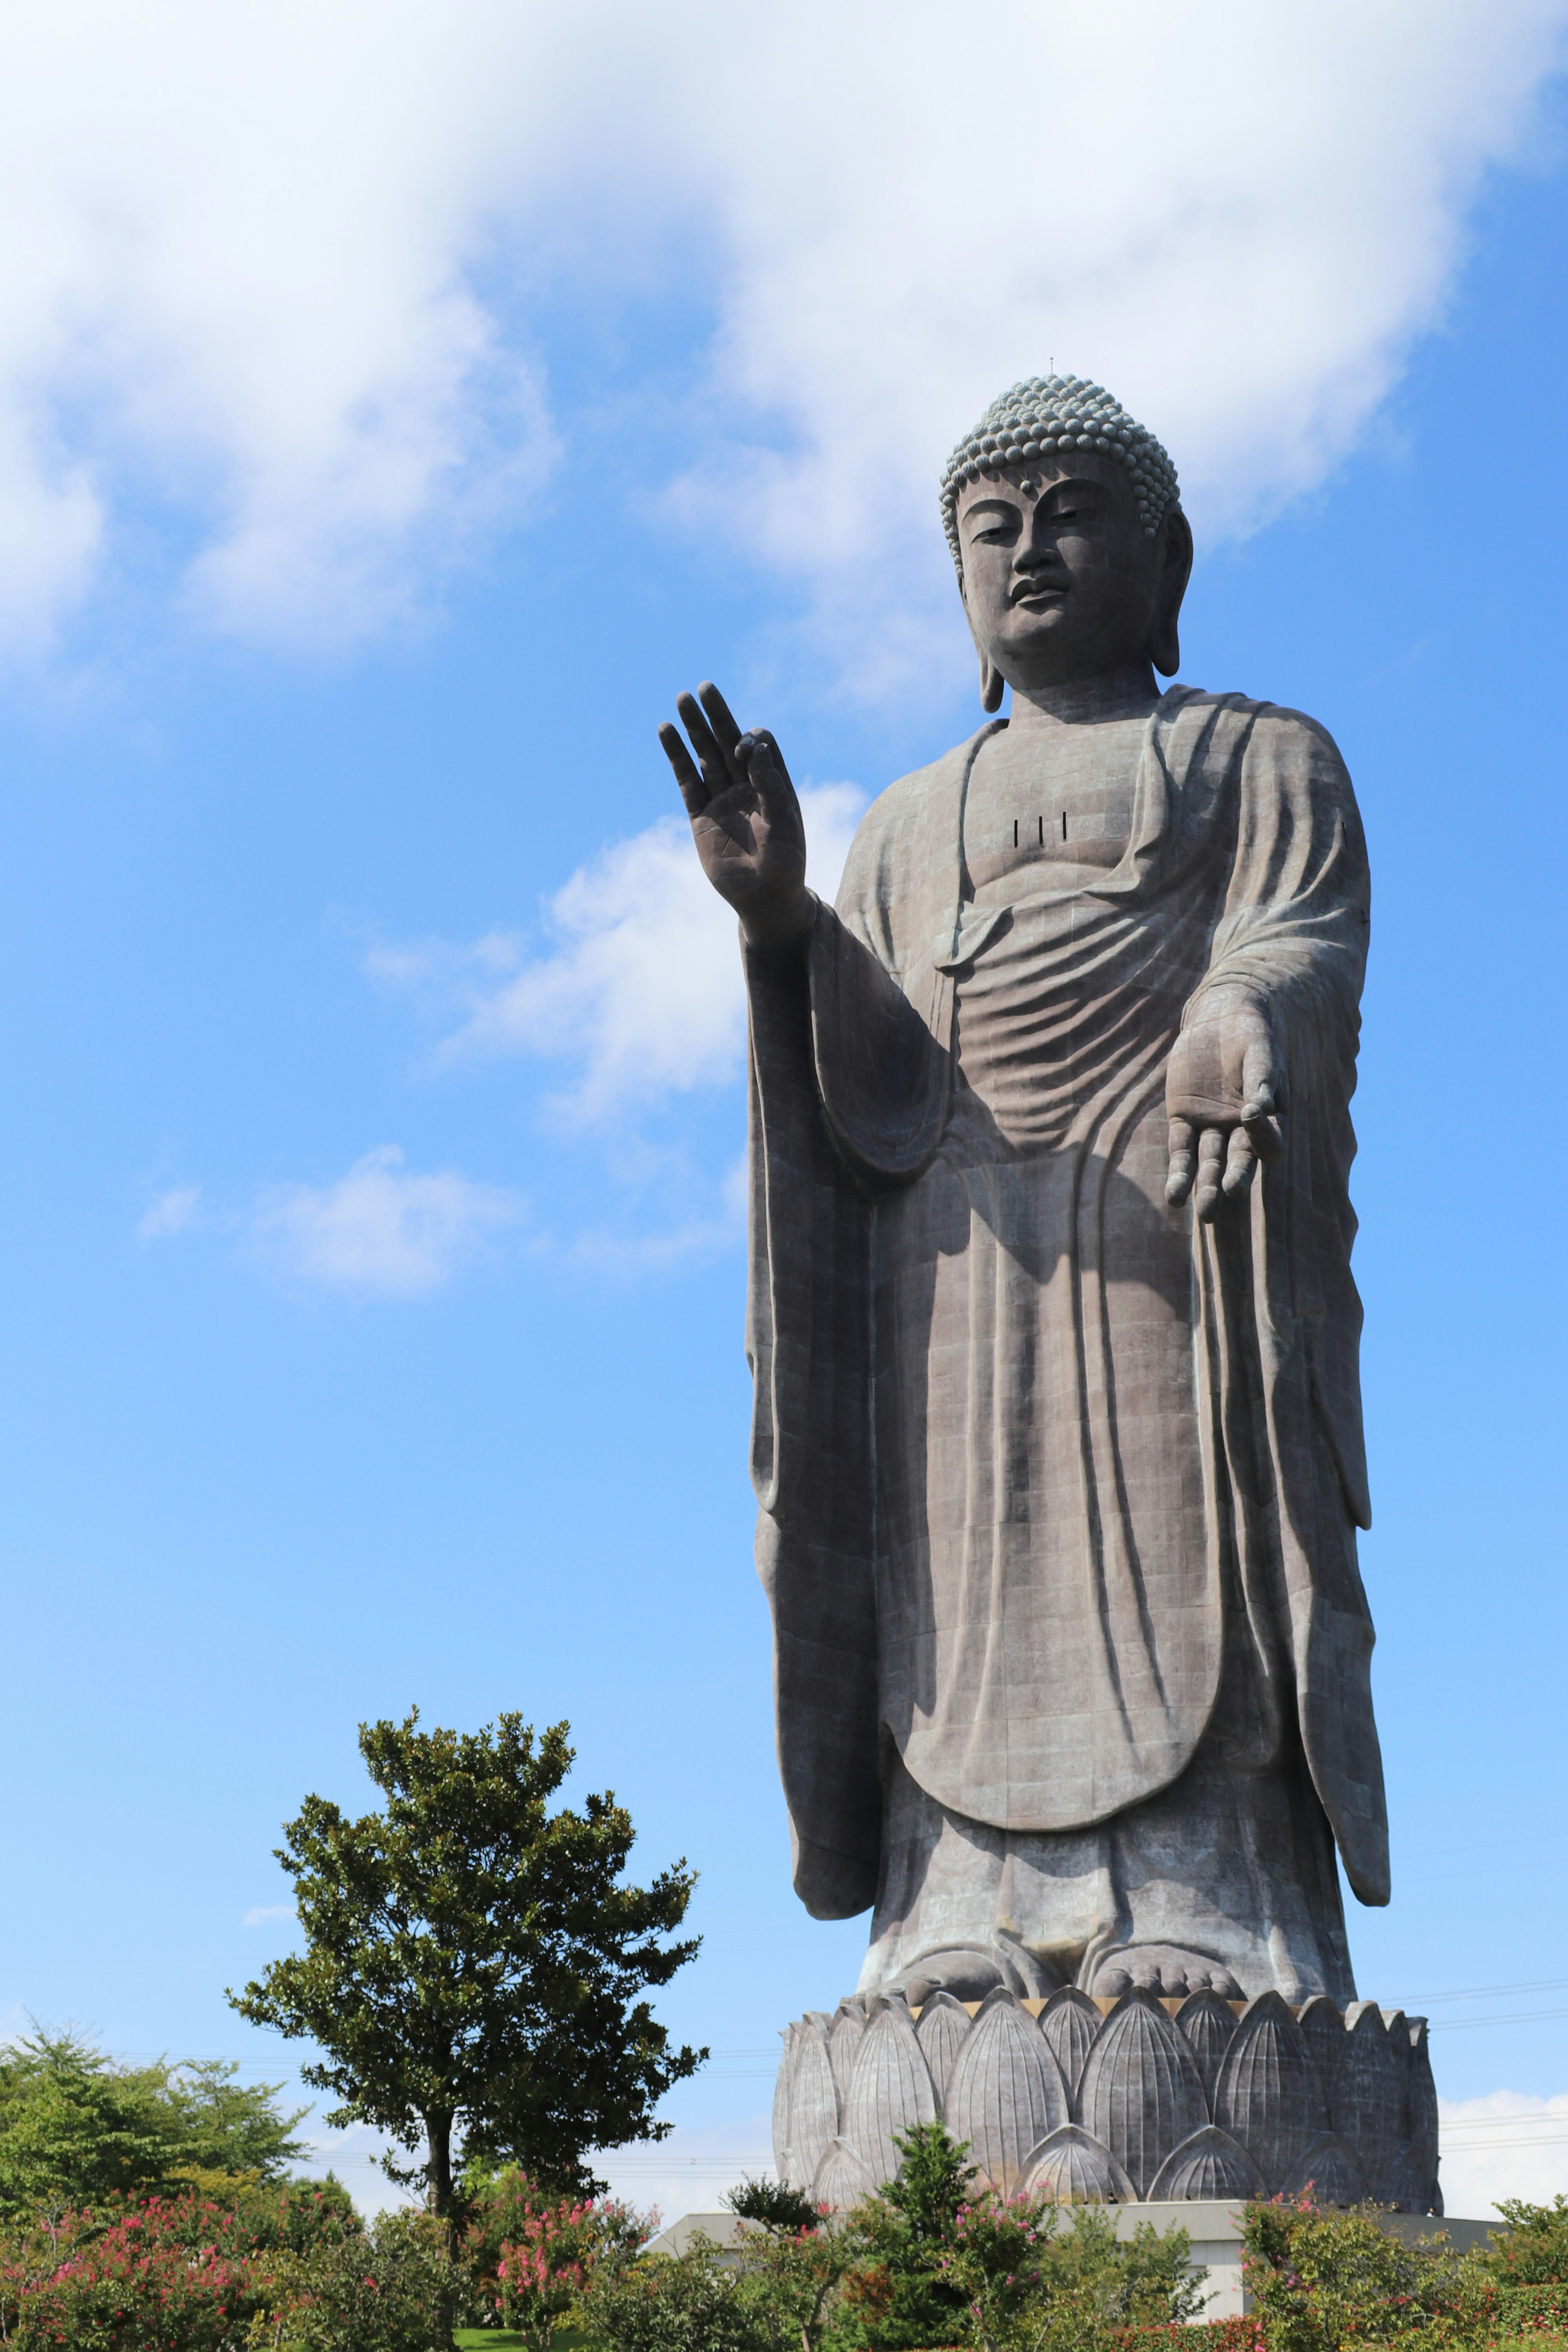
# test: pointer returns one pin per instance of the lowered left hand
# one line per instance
(1225, 1094)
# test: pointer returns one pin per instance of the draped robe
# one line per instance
(1035, 1453)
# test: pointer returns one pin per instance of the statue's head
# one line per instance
(1071, 547)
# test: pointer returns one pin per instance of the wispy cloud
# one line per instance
(261, 1915)
(641, 993)
(381, 1231)
(169, 1212)
(273, 293)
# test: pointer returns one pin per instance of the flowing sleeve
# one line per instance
(847, 1096)
(1281, 1313)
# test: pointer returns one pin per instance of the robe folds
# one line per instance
(1036, 1455)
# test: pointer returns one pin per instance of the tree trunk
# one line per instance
(438, 2169)
(438, 2195)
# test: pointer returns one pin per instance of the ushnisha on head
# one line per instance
(1071, 548)
(1051, 416)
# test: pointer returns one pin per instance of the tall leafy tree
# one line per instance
(474, 1964)
(77, 2126)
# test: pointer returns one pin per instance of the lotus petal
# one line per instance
(1208, 2163)
(1069, 2021)
(843, 2043)
(890, 2091)
(1322, 2032)
(841, 2179)
(1142, 2092)
(1209, 2025)
(942, 2032)
(1007, 2092)
(1072, 2167)
(783, 2089)
(1267, 2095)
(1330, 2172)
(814, 2102)
(1368, 2100)
(1421, 2106)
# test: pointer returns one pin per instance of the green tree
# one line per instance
(772, 2204)
(896, 2294)
(473, 1965)
(77, 2126)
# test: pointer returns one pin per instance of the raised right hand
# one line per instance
(746, 819)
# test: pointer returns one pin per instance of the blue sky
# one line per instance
(388, 429)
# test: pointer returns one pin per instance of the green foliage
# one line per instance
(791, 2279)
(772, 2204)
(1319, 2280)
(693, 2301)
(392, 2287)
(1534, 2250)
(895, 2294)
(473, 1964)
(77, 2128)
(1029, 2281)
(532, 2256)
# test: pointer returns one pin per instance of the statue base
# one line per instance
(1134, 2100)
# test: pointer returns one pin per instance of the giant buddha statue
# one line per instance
(1057, 1437)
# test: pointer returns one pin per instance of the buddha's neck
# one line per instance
(1130, 692)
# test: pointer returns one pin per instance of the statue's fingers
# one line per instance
(1264, 1134)
(1240, 1163)
(768, 741)
(1184, 1161)
(715, 767)
(1262, 1080)
(693, 791)
(770, 781)
(1206, 1193)
(726, 734)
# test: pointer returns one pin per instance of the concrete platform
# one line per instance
(1215, 2231)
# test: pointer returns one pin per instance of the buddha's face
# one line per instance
(1060, 578)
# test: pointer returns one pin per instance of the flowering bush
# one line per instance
(543, 2272)
(168, 2275)
(533, 2256)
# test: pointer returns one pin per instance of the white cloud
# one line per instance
(1504, 2144)
(169, 1212)
(642, 993)
(249, 258)
(261, 1915)
(379, 1230)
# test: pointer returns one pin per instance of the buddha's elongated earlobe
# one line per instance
(993, 685)
(1164, 647)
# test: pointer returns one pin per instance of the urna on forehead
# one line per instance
(1046, 417)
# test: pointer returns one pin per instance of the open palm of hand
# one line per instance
(1224, 1095)
(745, 818)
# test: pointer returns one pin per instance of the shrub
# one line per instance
(1031, 2283)
(895, 2295)
(694, 2302)
(393, 2287)
(531, 2254)
(157, 2277)
(1534, 2250)
(791, 2278)
(1319, 2278)
(772, 2205)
